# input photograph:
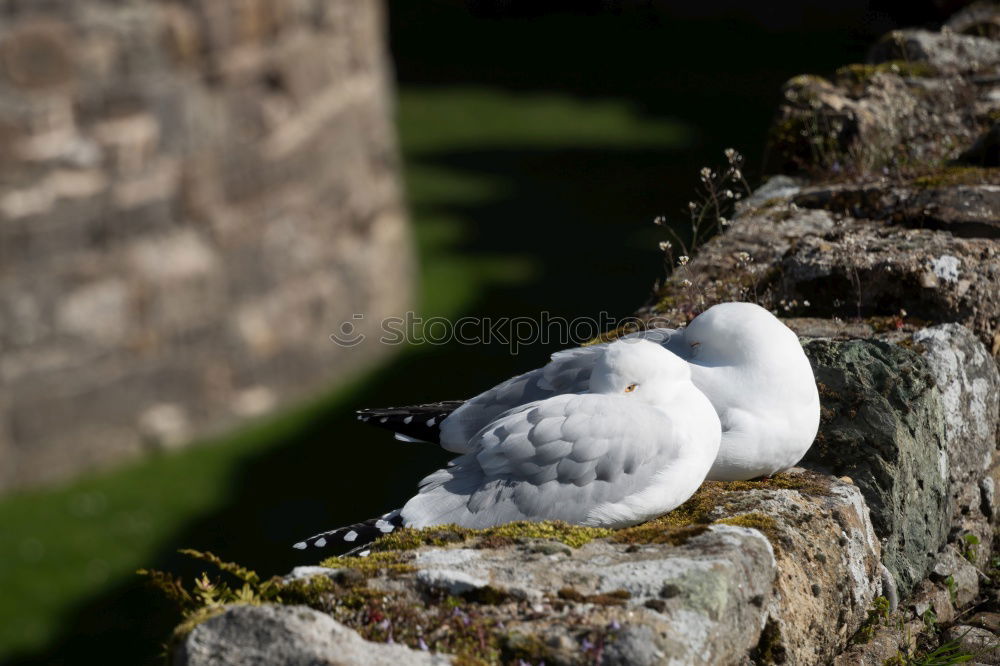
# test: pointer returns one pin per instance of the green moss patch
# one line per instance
(390, 562)
(662, 530)
(862, 73)
(808, 483)
(694, 516)
(958, 175)
(573, 536)
(757, 521)
(878, 615)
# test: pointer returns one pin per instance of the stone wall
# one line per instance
(193, 196)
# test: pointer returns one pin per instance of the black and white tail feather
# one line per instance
(414, 423)
(358, 535)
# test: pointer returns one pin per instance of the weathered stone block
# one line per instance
(915, 426)
(883, 426)
(288, 635)
(193, 196)
(944, 50)
(964, 210)
(957, 574)
(876, 270)
(982, 644)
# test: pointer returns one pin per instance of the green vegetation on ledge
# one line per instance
(860, 73)
(958, 175)
(573, 536)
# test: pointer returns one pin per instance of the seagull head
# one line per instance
(638, 368)
(736, 334)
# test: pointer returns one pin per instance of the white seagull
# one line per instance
(749, 365)
(636, 443)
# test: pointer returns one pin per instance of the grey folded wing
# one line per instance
(568, 371)
(555, 459)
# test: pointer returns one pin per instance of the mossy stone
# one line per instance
(882, 424)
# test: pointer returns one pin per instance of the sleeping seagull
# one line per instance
(632, 446)
(749, 365)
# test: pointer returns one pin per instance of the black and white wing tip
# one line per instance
(355, 536)
(415, 423)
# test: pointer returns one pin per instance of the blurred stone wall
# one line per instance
(193, 196)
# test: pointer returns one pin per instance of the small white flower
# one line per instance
(737, 174)
(723, 221)
(685, 283)
(659, 220)
(805, 303)
(683, 260)
(728, 194)
(706, 174)
(692, 205)
(665, 245)
(731, 155)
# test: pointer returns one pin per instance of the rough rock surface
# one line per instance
(922, 98)
(699, 590)
(825, 263)
(193, 197)
(979, 642)
(289, 635)
(880, 270)
(883, 426)
(946, 50)
(969, 385)
(964, 210)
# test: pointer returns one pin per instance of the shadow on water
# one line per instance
(583, 214)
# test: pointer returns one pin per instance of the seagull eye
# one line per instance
(630, 388)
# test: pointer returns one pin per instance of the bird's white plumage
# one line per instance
(753, 369)
(749, 365)
(637, 443)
